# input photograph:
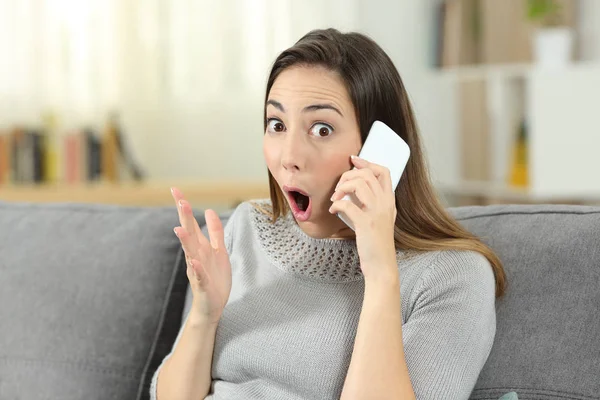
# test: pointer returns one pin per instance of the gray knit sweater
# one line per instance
(288, 329)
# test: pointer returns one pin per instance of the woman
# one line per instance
(290, 303)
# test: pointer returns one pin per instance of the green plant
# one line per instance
(545, 12)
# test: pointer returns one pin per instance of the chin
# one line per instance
(314, 229)
(322, 225)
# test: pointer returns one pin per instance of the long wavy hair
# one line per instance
(377, 93)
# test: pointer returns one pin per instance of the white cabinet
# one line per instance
(562, 110)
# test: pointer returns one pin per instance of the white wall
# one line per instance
(589, 31)
(405, 29)
(230, 126)
(215, 132)
(221, 137)
(189, 76)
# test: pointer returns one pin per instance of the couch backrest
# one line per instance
(547, 343)
(90, 299)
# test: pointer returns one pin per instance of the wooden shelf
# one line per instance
(495, 192)
(484, 72)
(509, 71)
(225, 193)
(486, 189)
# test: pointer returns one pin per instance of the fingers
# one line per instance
(190, 224)
(215, 229)
(186, 217)
(349, 208)
(381, 173)
(189, 244)
(197, 274)
(361, 190)
(362, 174)
(177, 196)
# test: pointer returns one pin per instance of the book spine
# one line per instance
(71, 164)
(109, 154)
(37, 156)
(5, 152)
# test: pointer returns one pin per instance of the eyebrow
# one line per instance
(313, 107)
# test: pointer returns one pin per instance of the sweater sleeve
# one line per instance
(450, 332)
(228, 236)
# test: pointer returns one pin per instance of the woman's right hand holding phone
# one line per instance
(208, 265)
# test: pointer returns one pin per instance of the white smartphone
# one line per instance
(386, 148)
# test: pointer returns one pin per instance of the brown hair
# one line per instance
(377, 93)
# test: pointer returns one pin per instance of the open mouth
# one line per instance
(300, 203)
(301, 200)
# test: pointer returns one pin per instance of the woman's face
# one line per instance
(311, 132)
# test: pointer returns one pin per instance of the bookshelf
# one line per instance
(46, 164)
(498, 91)
(222, 194)
(563, 131)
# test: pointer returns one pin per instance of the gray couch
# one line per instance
(91, 299)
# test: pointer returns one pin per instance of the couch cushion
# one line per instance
(547, 343)
(90, 299)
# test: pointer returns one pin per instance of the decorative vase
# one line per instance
(553, 47)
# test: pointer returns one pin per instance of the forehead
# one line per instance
(300, 85)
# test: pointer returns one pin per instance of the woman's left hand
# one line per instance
(374, 222)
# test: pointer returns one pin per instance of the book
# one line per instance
(76, 156)
(5, 157)
(37, 155)
(94, 153)
(109, 154)
(52, 150)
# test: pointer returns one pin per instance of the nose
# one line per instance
(292, 155)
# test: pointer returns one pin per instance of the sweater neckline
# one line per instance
(293, 251)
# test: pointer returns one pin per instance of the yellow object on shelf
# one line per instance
(51, 149)
(519, 174)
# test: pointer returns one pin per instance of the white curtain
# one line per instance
(187, 76)
(59, 55)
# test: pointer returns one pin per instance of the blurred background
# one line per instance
(114, 101)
